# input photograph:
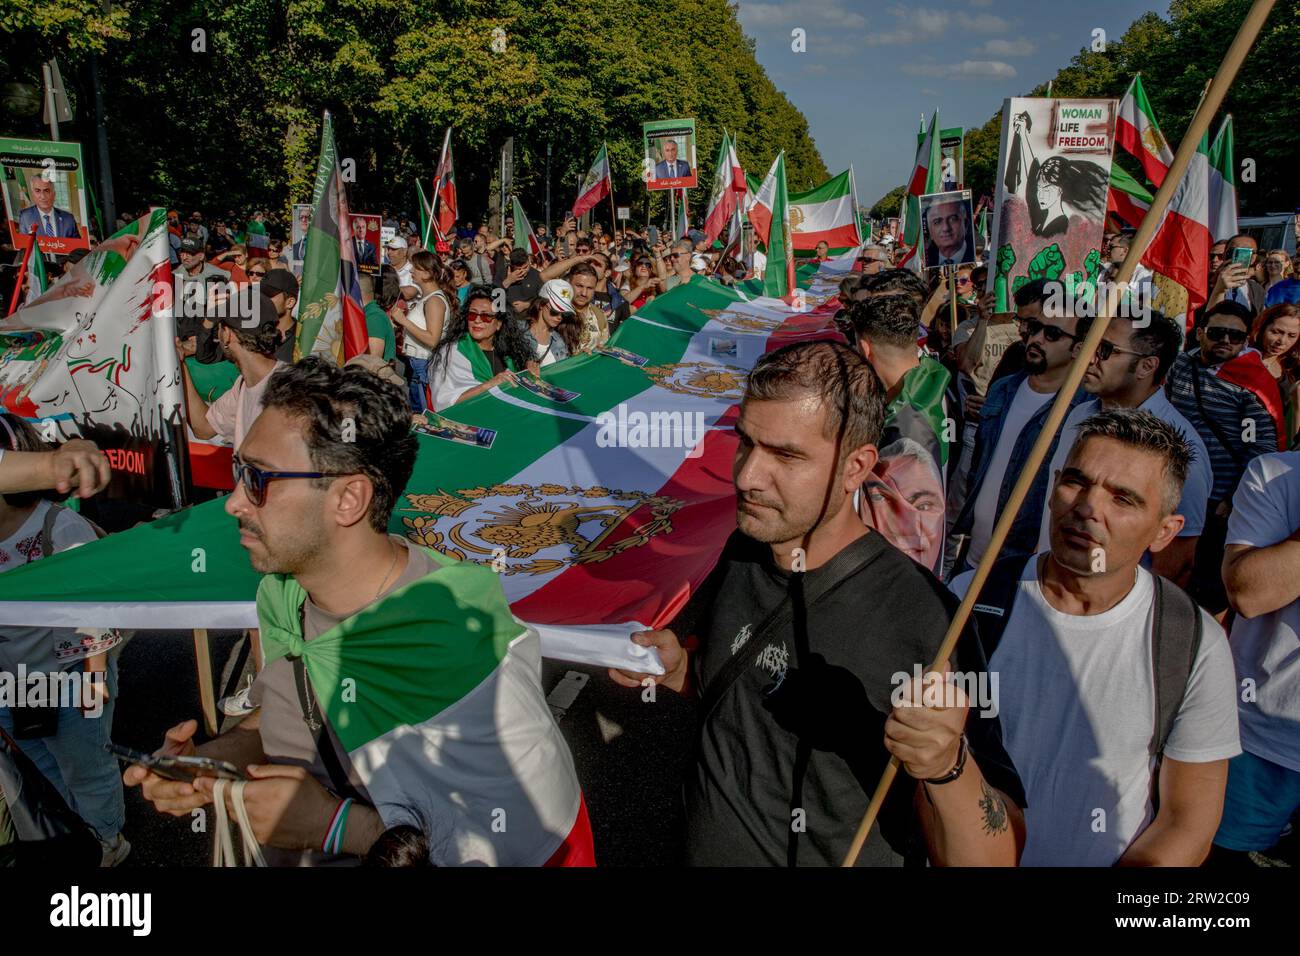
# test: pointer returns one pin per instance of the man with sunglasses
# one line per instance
(464, 740)
(679, 260)
(1210, 385)
(1128, 371)
(1013, 414)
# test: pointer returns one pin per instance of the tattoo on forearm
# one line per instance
(995, 810)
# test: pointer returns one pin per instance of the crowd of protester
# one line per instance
(1124, 727)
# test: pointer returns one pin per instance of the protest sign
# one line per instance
(1053, 177)
(44, 191)
(366, 242)
(670, 154)
(947, 229)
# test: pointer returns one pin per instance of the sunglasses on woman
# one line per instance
(1052, 333)
(257, 272)
(1217, 333)
(255, 479)
(473, 315)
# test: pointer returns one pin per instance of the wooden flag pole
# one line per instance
(952, 300)
(1209, 105)
(613, 217)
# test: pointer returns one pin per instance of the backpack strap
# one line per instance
(47, 527)
(993, 609)
(1175, 642)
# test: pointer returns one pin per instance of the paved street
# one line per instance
(629, 754)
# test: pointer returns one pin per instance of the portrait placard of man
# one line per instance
(948, 223)
(670, 154)
(49, 220)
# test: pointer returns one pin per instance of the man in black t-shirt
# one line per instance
(802, 710)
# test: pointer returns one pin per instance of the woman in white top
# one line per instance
(424, 324)
(483, 349)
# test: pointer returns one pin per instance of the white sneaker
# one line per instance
(237, 704)
(115, 850)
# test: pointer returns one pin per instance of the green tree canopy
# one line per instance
(230, 117)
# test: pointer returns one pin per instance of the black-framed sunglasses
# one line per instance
(1218, 333)
(255, 480)
(1106, 348)
(1052, 333)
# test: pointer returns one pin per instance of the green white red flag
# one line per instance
(525, 238)
(1223, 184)
(644, 449)
(596, 185)
(1137, 131)
(1126, 198)
(771, 218)
(331, 318)
(32, 269)
(683, 218)
(444, 192)
(1181, 247)
(729, 188)
(927, 175)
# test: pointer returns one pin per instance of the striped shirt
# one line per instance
(1231, 407)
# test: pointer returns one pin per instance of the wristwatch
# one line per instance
(963, 748)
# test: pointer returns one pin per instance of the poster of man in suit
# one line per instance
(670, 154)
(44, 194)
(948, 229)
(365, 242)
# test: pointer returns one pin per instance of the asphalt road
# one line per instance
(630, 755)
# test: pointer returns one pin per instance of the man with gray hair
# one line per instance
(1088, 645)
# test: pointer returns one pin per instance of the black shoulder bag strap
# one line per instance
(1213, 425)
(993, 610)
(834, 572)
(319, 728)
(1175, 641)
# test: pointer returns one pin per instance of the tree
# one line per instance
(236, 124)
(888, 205)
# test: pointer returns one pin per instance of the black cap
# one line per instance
(191, 244)
(279, 280)
(264, 315)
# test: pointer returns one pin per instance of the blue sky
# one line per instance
(872, 66)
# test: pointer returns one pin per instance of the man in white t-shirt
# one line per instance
(1261, 572)
(1128, 371)
(1077, 689)
(1010, 419)
(252, 350)
(399, 259)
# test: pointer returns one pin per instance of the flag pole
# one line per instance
(22, 271)
(952, 299)
(609, 172)
(1209, 105)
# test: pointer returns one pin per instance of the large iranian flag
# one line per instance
(597, 512)
(1223, 184)
(331, 318)
(728, 191)
(1137, 131)
(1181, 247)
(596, 185)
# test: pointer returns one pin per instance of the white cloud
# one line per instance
(918, 25)
(1020, 47)
(965, 68)
(807, 13)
